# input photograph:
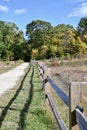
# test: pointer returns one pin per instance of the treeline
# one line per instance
(62, 41)
(43, 40)
(13, 45)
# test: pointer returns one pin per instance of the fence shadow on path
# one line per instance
(24, 111)
(7, 107)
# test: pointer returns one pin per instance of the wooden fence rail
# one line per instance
(76, 115)
(60, 93)
(81, 120)
(60, 122)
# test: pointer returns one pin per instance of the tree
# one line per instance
(82, 27)
(38, 33)
(12, 41)
(64, 37)
(61, 41)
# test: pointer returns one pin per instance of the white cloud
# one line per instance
(3, 8)
(80, 11)
(20, 11)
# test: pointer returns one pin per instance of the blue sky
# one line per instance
(56, 12)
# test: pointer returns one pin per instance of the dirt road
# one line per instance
(9, 79)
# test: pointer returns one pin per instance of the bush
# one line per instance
(55, 63)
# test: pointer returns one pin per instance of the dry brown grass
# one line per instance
(54, 63)
(63, 74)
(8, 65)
(71, 72)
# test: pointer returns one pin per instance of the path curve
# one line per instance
(9, 79)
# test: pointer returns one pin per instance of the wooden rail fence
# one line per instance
(77, 95)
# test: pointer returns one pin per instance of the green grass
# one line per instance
(23, 107)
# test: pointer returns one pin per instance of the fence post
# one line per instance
(41, 71)
(47, 88)
(74, 91)
(78, 96)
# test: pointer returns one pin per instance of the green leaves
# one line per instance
(60, 41)
(82, 26)
(11, 41)
(43, 40)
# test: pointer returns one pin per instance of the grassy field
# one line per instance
(23, 107)
(63, 74)
(69, 71)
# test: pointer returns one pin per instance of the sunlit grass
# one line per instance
(23, 107)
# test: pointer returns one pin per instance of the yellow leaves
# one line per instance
(85, 38)
(43, 50)
(53, 48)
(82, 47)
(44, 47)
(71, 33)
(54, 40)
(34, 53)
(79, 40)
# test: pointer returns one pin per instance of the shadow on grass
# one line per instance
(7, 107)
(24, 111)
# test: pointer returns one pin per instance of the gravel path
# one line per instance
(9, 79)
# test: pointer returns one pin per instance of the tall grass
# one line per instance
(63, 74)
